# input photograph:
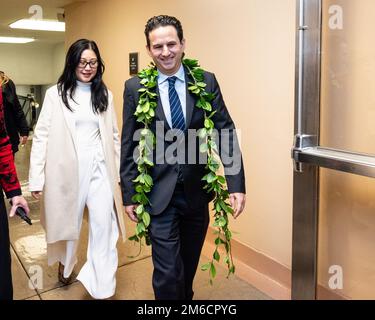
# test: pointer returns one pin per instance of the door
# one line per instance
(334, 151)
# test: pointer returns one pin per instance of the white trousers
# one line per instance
(98, 274)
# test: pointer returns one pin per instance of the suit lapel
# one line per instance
(190, 101)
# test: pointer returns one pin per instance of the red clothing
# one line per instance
(8, 176)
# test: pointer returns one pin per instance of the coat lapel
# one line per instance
(102, 129)
(70, 121)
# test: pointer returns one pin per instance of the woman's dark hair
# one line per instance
(67, 82)
(163, 21)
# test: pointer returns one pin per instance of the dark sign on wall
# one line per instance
(133, 63)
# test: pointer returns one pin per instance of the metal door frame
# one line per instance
(308, 155)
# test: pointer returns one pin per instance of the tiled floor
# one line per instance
(33, 279)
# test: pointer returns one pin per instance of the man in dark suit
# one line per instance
(15, 120)
(179, 204)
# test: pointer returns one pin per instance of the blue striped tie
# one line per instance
(178, 120)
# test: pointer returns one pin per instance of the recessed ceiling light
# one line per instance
(44, 25)
(15, 40)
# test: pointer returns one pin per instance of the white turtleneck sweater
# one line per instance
(87, 122)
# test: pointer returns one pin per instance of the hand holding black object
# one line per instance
(22, 214)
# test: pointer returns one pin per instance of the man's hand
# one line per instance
(130, 211)
(237, 202)
(36, 194)
(18, 201)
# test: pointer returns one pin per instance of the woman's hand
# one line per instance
(36, 194)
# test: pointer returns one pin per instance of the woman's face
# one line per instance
(87, 66)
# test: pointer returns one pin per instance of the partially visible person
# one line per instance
(15, 120)
(10, 185)
(74, 160)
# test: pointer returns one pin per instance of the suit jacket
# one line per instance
(15, 119)
(54, 166)
(165, 175)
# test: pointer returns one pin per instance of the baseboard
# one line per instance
(259, 270)
(264, 273)
(325, 294)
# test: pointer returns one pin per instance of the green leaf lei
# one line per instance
(143, 183)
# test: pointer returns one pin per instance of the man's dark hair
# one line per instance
(163, 21)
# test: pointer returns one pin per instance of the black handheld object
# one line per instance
(22, 214)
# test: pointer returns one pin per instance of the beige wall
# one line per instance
(249, 44)
(31, 64)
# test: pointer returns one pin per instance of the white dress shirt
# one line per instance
(180, 86)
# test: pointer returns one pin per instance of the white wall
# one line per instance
(58, 61)
(33, 63)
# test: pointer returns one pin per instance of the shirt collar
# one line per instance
(180, 74)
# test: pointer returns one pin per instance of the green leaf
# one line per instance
(209, 96)
(137, 198)
(212, 271)
(213, 168)
(146, 219)
(221, 179)
(217, 207)
(148, 180)
(208, 123)
(219, 241)
(203, 148)
(216, 256)
(215, 224)
(134, 238)
(212, 114)
(139, 209)
(146, 107)
(140, 227)
(222, 222)
(202, 133)
(206, 266)
(232, 269)
(144, 132)
(208, 106)
(211, 177)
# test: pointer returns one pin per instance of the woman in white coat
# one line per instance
(75, 163)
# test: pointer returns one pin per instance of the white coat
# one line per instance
(54, 166)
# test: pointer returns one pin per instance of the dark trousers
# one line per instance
(6, 288)
(177, 236)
